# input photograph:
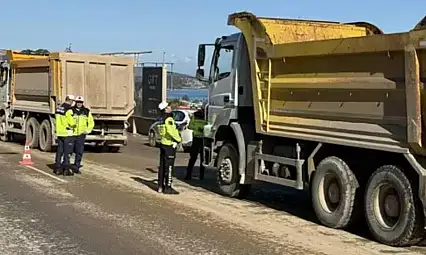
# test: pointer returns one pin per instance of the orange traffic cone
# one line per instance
(26, 158)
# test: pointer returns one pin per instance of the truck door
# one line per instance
(221, 90)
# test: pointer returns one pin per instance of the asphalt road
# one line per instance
(112, 209)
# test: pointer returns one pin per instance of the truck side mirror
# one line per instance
(200, 74)
(201, 54)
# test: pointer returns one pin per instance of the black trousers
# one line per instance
(63, 150)
(79, 149)
(167, 164)
(196, 148)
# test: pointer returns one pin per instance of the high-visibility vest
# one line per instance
(197, 126)
(83, 119)
(168, 132)
(64, 120)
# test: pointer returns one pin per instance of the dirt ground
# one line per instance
(272, 220)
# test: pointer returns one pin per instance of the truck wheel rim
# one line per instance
(386, 206)
(329, 193)
(226, 170)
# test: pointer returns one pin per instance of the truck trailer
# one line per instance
(337, 109)
(32, 86)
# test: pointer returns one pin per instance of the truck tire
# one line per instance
(114, 149)
(227, 174)
(393, 212)
(45, 136)
(32, 132)
(333, 192)
(4, 136)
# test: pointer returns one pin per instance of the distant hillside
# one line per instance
(179, 80)
(183, 81)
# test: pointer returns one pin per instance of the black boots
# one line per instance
(68, 172)
(58, 171)
(170, 191)
(75, 169)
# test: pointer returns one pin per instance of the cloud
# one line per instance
(188, 60)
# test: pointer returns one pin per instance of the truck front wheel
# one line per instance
(228, 176)
(333, 192)
(394, 214)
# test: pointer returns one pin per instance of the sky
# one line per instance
(171, 26)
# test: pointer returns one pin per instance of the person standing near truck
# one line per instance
(84, 125)
(163, 115)
(196, 124)
(170, 137)
(64, 132)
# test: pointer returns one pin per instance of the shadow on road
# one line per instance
(274, 196)
(151, 184)
(51, 166)
(154, 171)
(9, 153)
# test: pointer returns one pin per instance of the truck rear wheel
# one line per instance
(228, 176)
(333, 192)
(32, 132)
(45, 136)
(394, 214)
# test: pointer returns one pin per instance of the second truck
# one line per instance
(31, 86)
(334, 108)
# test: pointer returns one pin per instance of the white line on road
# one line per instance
(49, 175)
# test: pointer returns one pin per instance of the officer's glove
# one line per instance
(174, 145)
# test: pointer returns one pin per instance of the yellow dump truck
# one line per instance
(333, 108)
(32, 86)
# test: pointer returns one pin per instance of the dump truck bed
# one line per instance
(346, 84)
(106, 82)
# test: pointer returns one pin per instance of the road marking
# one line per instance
(49, 175)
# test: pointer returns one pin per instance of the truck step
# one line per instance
(16, 120)
(298, 163)
(16, 130)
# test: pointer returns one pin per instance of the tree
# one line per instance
(185, 98)
(42, 52)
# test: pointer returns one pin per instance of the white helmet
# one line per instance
(163, 105)
(79, 99)
(70, 97)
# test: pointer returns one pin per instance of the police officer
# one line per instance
(170, 137)
(84, 125)
(196, 124)
(163, 115)
(64, 132)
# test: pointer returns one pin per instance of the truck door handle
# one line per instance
(226, 99)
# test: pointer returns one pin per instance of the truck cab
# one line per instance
(229, 109)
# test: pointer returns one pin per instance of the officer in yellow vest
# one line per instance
(84, 125)
(64, 133)
(196, 124)
(170, 137)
